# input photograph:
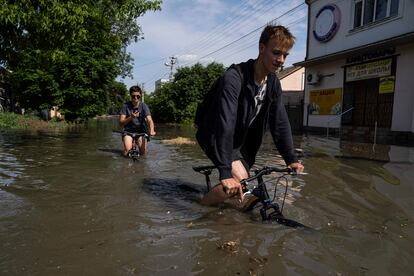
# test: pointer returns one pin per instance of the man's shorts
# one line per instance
(141, 130)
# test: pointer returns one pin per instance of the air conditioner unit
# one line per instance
(313, 78)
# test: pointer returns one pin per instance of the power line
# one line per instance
(226, 46)
(242, 7)
(255, 42)
(228, 29)
(248, 34)
(212, 32)
(251, 32)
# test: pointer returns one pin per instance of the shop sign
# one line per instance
(375, 54)
(386, 85)
(325, 101)
(370, 70)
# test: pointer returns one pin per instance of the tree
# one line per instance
(177, 101)
(68, 52)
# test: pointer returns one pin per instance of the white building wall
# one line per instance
(294, 82)
(328, 82)
(347, 38)
(403, 109)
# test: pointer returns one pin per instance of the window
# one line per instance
(358, 14)
(368, 11)
(394, 7)
(381, 9)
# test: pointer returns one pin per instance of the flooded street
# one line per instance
(71, 205)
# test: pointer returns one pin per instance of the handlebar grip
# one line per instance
(277, 169)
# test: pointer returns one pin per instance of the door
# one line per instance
(369, 105)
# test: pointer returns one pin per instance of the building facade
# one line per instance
(292, 81)
(358, 77)
(160, 82)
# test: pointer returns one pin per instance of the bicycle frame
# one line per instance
(270, 210)
(133, 153)
(262, 195)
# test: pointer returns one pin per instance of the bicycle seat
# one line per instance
(203, 169)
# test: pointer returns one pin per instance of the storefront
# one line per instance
(369, 89)
(358, 69)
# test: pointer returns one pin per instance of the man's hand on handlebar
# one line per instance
(297, 167)
(232, 187)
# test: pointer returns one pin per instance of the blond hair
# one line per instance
(284, 37)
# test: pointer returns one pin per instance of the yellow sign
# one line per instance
(325, 102)
(386, 85)
(369, 70)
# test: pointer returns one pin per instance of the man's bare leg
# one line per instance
(217, 195)
(142, 145)
(127, 144)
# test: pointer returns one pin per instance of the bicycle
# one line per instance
(270, 210)
(133, 153)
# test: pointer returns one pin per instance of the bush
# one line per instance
(12, 120)
(8, 120)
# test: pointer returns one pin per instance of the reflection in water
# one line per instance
(71, 204)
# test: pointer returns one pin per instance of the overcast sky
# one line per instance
(224, 31)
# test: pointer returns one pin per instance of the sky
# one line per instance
(205, 31)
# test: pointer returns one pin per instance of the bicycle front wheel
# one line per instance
(278, 218)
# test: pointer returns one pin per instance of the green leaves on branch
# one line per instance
(177, 101)
(69, 52)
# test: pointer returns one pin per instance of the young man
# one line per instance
(134, 114)
(246, 105)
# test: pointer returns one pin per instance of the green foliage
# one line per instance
(118, 95)
(68, 53)
(16, 121)
(177, 101)
(8, 120)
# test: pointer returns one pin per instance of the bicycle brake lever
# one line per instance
(297, 174)
(244, 183)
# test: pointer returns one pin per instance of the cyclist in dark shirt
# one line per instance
(248, 103)
(134, 115)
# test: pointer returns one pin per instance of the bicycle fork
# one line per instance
(263, 195)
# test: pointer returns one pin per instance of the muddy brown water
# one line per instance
(71, 205)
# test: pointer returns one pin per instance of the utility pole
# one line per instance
(173, 61)
(143, 93)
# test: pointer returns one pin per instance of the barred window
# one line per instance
(368, 11)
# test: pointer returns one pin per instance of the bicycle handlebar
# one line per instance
(266, 171)
(132, 134)
(258, 173)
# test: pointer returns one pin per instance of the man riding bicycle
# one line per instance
(249, 101)
(134, 116)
